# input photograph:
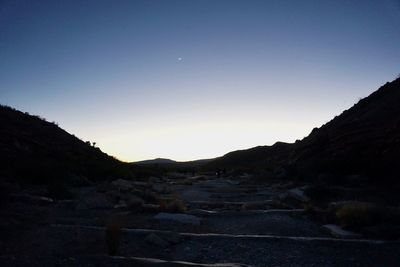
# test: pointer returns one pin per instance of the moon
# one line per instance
(180, 59)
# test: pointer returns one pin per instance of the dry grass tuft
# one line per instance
(173, 205)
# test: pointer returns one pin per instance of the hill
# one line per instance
(155, 161)
(161, 166)
(260, 157)
(364, 140)
(38, 151)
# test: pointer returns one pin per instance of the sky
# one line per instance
(193, 79)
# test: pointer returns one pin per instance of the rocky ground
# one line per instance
(177, 221)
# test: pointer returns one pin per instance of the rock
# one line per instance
(94, 201)
(153, 179)
(298, 194)
(141, 184)
(337, 231)
(103, 187)
(198, 177)
(134, 198)
(178, 217)
(281, 173)
(134, 202)
(176, 175)
(121, 205)
(115, 195)
(232, 182)
(245, 176)
(282, 196)
(338, 204)
(80, 181)
(172, 238)
(258, 205)
(32, 198)
(156, 240)
(182, 182)
(150, 208)
(160, 188)
(123, 184)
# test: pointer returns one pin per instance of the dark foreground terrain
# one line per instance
(198, 221)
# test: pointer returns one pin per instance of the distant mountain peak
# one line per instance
(155, 161)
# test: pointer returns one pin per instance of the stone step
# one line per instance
(142, 232)
(203, 212)
(106, 261)
(160, 262)
(252, 250)
(236, 205)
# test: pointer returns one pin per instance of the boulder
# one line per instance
(178, 217)
(153, 179)
(121, 205)
(172, 238)
(134, 202)
(337, 231)
(32, 198)
(123, 184)
(94, 201)
(150, 208)
(258, 205)
(160, 188)
(339, 204)
(156, 240)
(298, 194)
(198, 177)
(281, 173)
(141, 184)
(115, 195)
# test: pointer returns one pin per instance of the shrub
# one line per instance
(113, 236)
(357, 215)
(175, 205)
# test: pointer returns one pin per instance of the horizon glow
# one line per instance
(189, 80)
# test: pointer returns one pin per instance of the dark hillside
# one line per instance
(35, 150)
(364, 140)
(260, 157)
(160, 167)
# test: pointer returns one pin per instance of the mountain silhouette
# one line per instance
(364, 140)
(155, 161)
(35, 150)
(254, 158)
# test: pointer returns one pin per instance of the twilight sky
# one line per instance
(193, 79)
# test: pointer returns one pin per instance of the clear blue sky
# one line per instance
(193, 79)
